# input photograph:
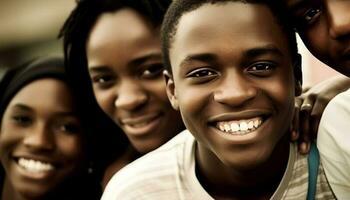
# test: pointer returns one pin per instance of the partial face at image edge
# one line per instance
(324, 27)
(41, 143)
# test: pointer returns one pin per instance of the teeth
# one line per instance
(234, 127)
(257, 123)
(240, 127)
(250, 125)
(243, 126)
(227, 127)
(34, 166)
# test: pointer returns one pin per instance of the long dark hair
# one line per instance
(75, 33)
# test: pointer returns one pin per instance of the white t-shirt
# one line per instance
(168, 173)
(333, 142)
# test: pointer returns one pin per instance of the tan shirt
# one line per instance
(169, 173)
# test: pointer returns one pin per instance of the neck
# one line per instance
(129, 155)
(236, 183)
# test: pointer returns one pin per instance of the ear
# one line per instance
(298, 75)
(170, 89)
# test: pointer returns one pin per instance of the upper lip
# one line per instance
(139, 119)
(248, 114)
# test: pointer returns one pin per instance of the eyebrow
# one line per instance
(204, 57)
(138, 61)
(22, 107)
(134, 62)
(250, 53)
(26, 108)
(259, 51)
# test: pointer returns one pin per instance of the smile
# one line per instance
(240, 127)
(34, 166)
(142, 125)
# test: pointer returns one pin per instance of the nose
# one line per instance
(130, 96)
(39, 137)
(339, 18)
(235, 90)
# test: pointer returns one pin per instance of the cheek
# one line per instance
(105, 99)
(72, 147)
(9, 137)
(282, 94)
(193, 104)
(317, 40)
(156, 89)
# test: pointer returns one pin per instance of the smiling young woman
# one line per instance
(44, 143)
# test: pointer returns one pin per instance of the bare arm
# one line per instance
(309, 107)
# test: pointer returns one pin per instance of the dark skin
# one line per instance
(217, 83)
(309, 108)
(125, 67)
(324, 27)
(41, 142)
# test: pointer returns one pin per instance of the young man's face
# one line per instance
(232, 81)
(324, 26)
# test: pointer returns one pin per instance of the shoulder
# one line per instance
(340, 101)
(152, 173)
(334, 144)
(333, 129)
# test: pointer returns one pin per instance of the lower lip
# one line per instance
(245, 138)
(141, 131)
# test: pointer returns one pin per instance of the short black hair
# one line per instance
(180, 7)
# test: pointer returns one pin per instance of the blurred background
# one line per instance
(29, 28)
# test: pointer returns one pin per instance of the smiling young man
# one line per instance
(233, 72)
(324, 26)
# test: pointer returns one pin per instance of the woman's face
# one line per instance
(125, 66)
(41, 143)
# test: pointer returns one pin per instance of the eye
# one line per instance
(152, 71)
(311, 14)
(261, 69)
(103, 80)
(202, 75)
(202, 72)
(69, 127)
(22, 120)
(307, 16)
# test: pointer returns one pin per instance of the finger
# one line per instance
(304, 138)
(316, 115)
(304, 147)
(304, 117)
(295, 122)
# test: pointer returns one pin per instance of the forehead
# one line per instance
(49, 93)
(124, 24)
(232, 26)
